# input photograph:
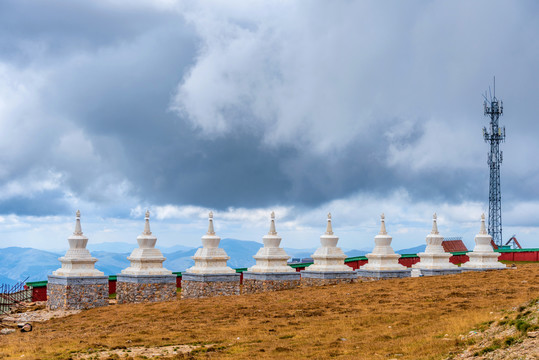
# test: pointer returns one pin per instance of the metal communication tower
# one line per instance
(493, 136)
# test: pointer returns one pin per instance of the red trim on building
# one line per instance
(39, 293)
(112, 287)
(408, 261)
(459, 259)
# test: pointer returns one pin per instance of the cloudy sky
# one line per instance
(301, 107)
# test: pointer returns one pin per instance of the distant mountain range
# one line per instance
(121, 247)
(16, 264)
(413, 250)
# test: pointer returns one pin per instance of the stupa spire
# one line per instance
(210, 258)
(483, 230)
(383, 225)
(147, 224)
(211, 231)
(77, 261)
(78, 230)
(483, 256)
(272, 230)
(434, 225)
(329, 229)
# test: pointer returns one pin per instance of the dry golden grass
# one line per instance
(400, 318)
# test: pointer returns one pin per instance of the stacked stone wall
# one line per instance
(127, 292)
(207, 285)
(436, 272)
(254, 286)
(305, 281)
(202, 289)
(367, 275)
(77, 293)
(145, 288)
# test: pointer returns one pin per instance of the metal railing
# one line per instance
(12, 295)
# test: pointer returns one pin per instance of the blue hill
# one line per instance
(124, 247)
(353, 253)
(413, 250)
(19, 263)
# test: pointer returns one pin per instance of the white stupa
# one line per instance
(434, 258)
(77, 261)
(271, 258)
(483, 256)
(146, 259)
(210, 259)
(383, 258)
(329, 257)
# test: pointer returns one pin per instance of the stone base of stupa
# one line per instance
(196, 286)
(383, 266)
(145, 288)
(318, 278)
(483, 262)
(254, 282)
(77, 292)
(418, 272)
(367, 274)
(433, 264)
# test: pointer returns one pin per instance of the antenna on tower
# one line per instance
(485, 97)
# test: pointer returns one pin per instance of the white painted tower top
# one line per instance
(483, 230)
(383, 225)
(328, 257)
(383, 257)
(77, 261)
(146, 259)
(434, 225)
(483, 256)
(210, 258)
(271, 258)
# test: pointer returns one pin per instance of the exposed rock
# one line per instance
(506, 339)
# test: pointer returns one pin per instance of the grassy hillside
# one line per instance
(420, 318)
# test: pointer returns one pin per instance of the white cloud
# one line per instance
(320, 75)
(30, 185)
(355, 221)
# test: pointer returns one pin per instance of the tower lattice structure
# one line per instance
(494, 136)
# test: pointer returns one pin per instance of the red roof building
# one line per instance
(454, 246)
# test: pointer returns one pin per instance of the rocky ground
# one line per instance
(34, 312)
(514, 336)
(139, 352)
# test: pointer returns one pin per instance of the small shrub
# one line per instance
(522, 325)
(494, 346)
(484, 325)
(509, 341)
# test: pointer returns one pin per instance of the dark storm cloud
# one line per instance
(45, 204)
(44, 31)
(258, 126)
